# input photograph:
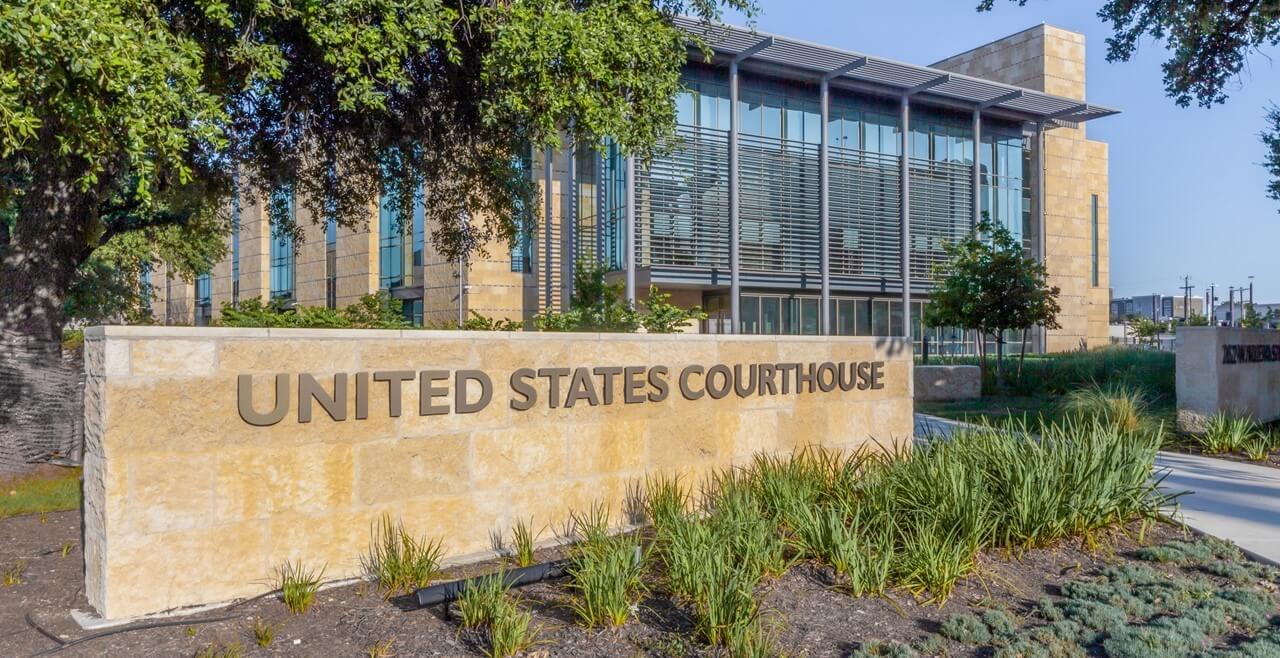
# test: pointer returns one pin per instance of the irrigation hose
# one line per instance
(63, 644)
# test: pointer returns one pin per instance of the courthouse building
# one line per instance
(811, 190)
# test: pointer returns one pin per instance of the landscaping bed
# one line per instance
(808, 616)
(985, 544)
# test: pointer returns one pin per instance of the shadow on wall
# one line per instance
(41, 409)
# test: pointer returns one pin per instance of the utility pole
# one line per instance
(1186, 298)
(1213, 300)
(1231, 306)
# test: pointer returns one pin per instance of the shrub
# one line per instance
(298, 586)
(374, 311)
(1225, 433)
(477, 322)
(215, 650)
(879, 649)
(965, 628)
(400, 562)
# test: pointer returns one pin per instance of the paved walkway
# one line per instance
(1227, 499)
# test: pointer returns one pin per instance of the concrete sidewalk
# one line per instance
(1227, 499)
(1232, 500)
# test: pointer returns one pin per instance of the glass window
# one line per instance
(770, 316)
(880, 318)
(684, 108)
(750, 314)
(282, 255)
(895, 318)
(845, 323)
(809, 316)
(862, 317)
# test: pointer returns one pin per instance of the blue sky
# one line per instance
(1187, 191)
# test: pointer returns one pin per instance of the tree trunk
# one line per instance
(40, 398)
(982, 358)
(1000, 360)
(1023, 355)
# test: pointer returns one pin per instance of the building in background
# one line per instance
(1228, 313)
(1159, 308)
(794, 201)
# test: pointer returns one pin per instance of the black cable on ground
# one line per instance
(63, 644)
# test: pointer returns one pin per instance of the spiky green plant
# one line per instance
(400, 562)
(522, 540)
(606, 571)
(1226, 433)
(1116, 405)
(298, 585)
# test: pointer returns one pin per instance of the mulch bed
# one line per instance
(808, 615)
(1272, 460)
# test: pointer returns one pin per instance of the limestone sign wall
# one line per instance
(1227, 369)
(215, 455)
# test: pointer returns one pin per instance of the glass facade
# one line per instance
(281, 208)
(522, 250)
(400, 242)
(235, 246)
(204, 300)
(682, 202)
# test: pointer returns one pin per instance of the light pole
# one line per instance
(1231, 306)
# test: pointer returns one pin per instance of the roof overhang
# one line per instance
(811, 62)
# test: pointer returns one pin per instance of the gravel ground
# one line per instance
(808, 616)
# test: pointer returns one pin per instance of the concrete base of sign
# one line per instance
(947, 383)
(1227, 369)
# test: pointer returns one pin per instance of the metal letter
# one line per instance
(335, 405)
(244, 401)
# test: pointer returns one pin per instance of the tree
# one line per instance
(1209, 42)
(989, 284)
(130, 120)
(1197, 320)
(1252, 319)
(1144, 329)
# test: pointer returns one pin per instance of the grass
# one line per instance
(298, 586)
(486, 606)
(41, 493)
(1119, 405)
(215, 650)
(12, 576)
(380, 649)
(522, 540)
(263, 633)
(400, 562)
(606, 570)
(1061, 372)
(1226, 433)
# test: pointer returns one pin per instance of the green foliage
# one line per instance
(1053, 375)
(40, 493)
(662, 317)
(990, 284)
(1226, 433)
(606, 571)
(1252, 319)
(400, 562)
(375, 311)
(965, 628)
(523, 538)
(298, 586)
(1120, 406)
(215, 650)
(1197, 320)
(479, 322)
(598, 305)
(1144, 328)
(487, 607)
(263, 633)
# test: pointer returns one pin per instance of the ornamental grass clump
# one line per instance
(606, 571)
(400, 562)
(486, 607)
(1117, 405)
(298, 586)
(1226, 433)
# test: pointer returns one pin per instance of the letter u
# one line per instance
(244, 401)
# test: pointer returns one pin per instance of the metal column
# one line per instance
(630, 244)
(977, 167)
(601, 200)
(546, 229)
(906, 216)
(569, 235)
(735, 257)
(1040, 237)
(824, 212)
